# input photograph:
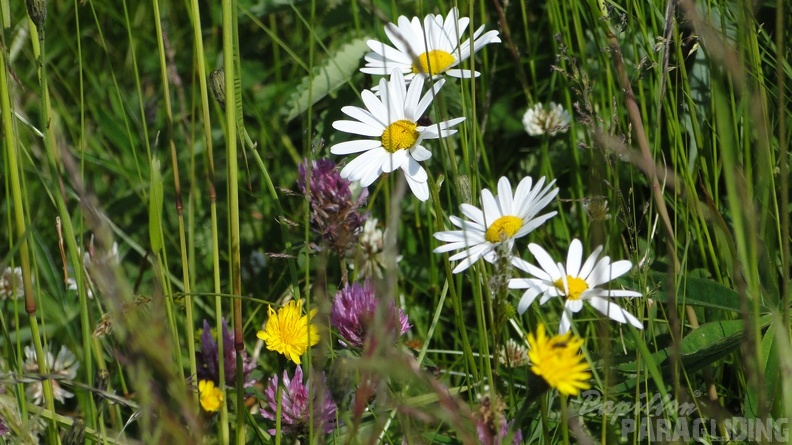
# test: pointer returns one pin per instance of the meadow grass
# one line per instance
(175, 131)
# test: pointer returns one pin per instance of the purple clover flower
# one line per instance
(295, 405)
(208, 363)
(335, 215)
(355, 309)
(487, 437)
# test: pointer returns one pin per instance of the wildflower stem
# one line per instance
(783, 154)
(39, 51)
(177, 189)
(564, 419)
(229, 64)
(207, 129)
(456, 299)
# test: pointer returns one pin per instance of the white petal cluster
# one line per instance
(539, 120)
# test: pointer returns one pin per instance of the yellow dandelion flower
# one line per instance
(211, 396)
(557, 361)
(289, 332)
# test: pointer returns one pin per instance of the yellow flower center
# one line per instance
(434, 62)
(399, 135)
(503, 228)
(211, 396)
(576, 286)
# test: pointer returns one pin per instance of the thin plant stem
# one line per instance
(229, 67)
(189, 322)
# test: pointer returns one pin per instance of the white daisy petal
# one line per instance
(528, 297)
(345, 148)
(473, 213)
(617, 293)
(491, 209)
(363, 164)
(450, 246)
(545, 261)
(566, 323)
(365, 117)
(374, 104)
(471, 226)
(395, 161)
(419, 189)
(520, 283)
(505, 196)
(614, 312)
(619, 268)
(420, 154)
(585, 270)
(356, 127)
(388, 52)
(574, 306)
(414, 170)
(531, 269)
(462, 74)
(601, 272)
(574, 257)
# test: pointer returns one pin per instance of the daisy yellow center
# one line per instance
(503, 228)
(399, 135)
(577, 286)
(433, 62)
(557, 361)
(211, 396)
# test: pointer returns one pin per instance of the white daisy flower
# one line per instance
(392, 119)
(502, 220)
(432, 49)
(539, 121)
(574, 283)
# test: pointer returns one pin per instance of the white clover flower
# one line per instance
(574, 283)
(539, 121)
(392, 120)
(431, 50)
(11, 285)
(513, 354)
(369, 259)
(64, 366)
(502, 220)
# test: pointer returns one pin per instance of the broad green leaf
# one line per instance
(335, 72)
(770, 364)
(155, 207)
(699, 292)
(710, 342)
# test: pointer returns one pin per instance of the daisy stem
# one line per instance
(481, 320)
